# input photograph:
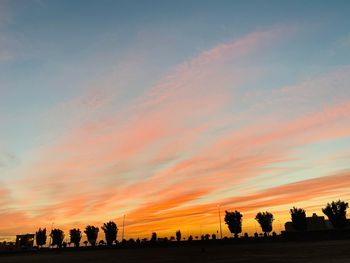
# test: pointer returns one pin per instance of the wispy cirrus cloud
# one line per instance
(169, 155)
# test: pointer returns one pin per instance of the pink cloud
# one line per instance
(172, 154)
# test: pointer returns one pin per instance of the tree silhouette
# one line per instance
(75, 236)
(190, 238)
(91, 234)
(265, 220)
(57, 236)
(154, 237)
(178, 235)
(234, 222)
(40, 237)
(110, 228)
(336, 213)
(298, 216)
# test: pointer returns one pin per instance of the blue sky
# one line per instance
(126, 92)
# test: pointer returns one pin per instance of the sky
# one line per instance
(168, 112)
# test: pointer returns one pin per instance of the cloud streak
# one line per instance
(195, 139)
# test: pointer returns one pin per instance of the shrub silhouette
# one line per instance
(154, 237)
(336, 213)
(178, 235)
(234, 222)
(298, 216)
(265, 220)
(110, 228)
(40, 237)
(75, 236)
(57, 236)
(190, 238)
(91, 234)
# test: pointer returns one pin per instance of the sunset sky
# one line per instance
(164, 110)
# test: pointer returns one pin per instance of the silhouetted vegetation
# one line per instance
(91, 234)
(75, 236)
(298, 216)
(154, 237)
(57, 236)
(308, 228)
(336, 213)
(178, 235)
(40, 237)
(110, 228)
(265, 220)
(234, 222)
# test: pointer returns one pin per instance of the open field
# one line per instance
(326, 251)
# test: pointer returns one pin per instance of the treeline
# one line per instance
(110, 230)
(335, 211)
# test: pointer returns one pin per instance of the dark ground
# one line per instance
(325, 251)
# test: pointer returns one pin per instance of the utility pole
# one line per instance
(220, 221)
(123, 228)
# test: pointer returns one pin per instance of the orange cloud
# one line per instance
(168, 157)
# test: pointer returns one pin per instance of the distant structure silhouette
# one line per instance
(25, 241)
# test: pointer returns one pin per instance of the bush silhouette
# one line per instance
(154, 237)
(101, 243)
(298, 216)
(110, 228)
(234, 222)
(178, 235)
(40, 237)
(265, 220)
(336, 213)
(57, 236)
(75, 236)
(91, 234)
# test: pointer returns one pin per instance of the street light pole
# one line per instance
(220, 221)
